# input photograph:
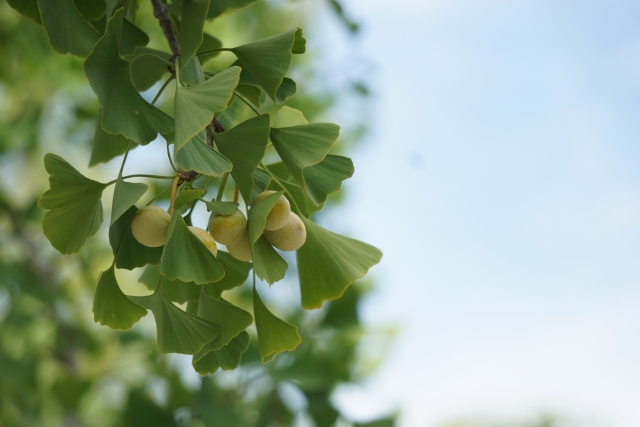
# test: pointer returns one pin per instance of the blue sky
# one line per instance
(501, 179)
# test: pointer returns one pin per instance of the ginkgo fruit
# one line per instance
(242, 249)
(206, 239)
(227, 229)
(279, 214)
(291, 237)
(149, 226)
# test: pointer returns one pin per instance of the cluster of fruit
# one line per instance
(283, 230)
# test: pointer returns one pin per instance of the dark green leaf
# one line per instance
(274, 334)
(234, 112)
(326, 177)
(196, 105)
(250, 93)
(286, 90)
(132, 37)
(218, 7)
(124, 110)
(125, 195)
(186, 258)
(261, 180)
(235, 274)
(222, 208)
(176, 290)
(178, 332)
(27, 8)
(198, 156)
(244, 145)
(192, 19)
(106, 146)
(227, 358)
(186, 197)
(328, 263)
(208, 43)
(73, 203)
(268, 263)
(111, 307)
(146, 70)
(299, 43)
(302, 200)
(66, 28)
(91, 10)
(128, 251)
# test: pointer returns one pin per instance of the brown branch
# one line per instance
(161, 12)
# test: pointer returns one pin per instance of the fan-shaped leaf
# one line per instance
(66, 28)
(274, 334)
(124, 110)
(131, 38)
(196, 105)
(244, 145)
(208, 43)
(125, 195)
(326, 177)
(192, 20)
(227, 358)
(328, 263)
(28, 9)
(222, 208)
(198, 156)
(106, 146)
(235, 274)
(146, 68)
(176, 290)
(74, 206)
(91, 10)
(128, 251)
(288, 117)
(111, 307)
(261, 180)
(186, 197)
(268, 263)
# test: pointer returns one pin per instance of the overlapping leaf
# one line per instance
(28, 9)
(208, 43)
(146, 69)
(125, 195)
(131, 38)
(92, 10)
(106, 146)
(218, 7)
(222, 208)
(73, 203)
(274, 334)
(244, 145)
(198, 156)
(176, 290)
(235, 274)
(187, 196)
(66, 28)
(129, 253)
(124, 110)
(326, 177)
(227, 358)
(192, 20)
(111, 307)
(328, 263)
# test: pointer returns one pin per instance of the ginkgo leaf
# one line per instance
(178, 331)
(125, 195)
(106, 146)
(288, 117)
(66, 28)
(274, 334)
(208, 43)
(268, 263)
(302, 146)
(286, 90)
(328, 263)
(146, 69)
(131, 38)
(198, 156)
(124, 110)
(233, 114)
(218, 7)
(235, 274)
(232, 320)
(130, 253)
(176, 290)
(251, 93)
(301, 199)
(28, 9)
(261, 180)
(326, 177)
(91, 10)
(244, 146)
(111, 307)
(227, 358)
(74, 206)
(258, 215)
(186, 258)
(195, 106)
(222, 208)
(186, 197)
(268, 60)
(192, 20)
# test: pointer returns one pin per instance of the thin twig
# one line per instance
(161, 12)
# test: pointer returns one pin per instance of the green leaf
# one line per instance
(233, 114)
(111, 5)
(244, 145)
(288, 117)
(74, 206)
(268, 60)
(176, 290)
(258, 215)
(27, 8)
(232, 320)
(227, 358)
(235, 274)
(125, 195)
(302, 146)
(124, 110)
(195, 106)
(302, 199)
(131, 38)
(111, 307)
(192, 73)
(129, 253)
(222, 208)
(186, 258)
(218, 7)
(261, 180)
(274, 334)
(91, 10)
(178, 331)
(268, 263)
(328, 263)
(192, 19)
(208, 43)
(198, 156)
(106, 146)
(66, 28)
(186, 197)
(251, 93)
(326, 177)
(146, 70)
(286, 90)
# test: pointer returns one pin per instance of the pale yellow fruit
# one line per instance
(227, 229)
(241, 250)
(206, 239)
(291, 237)
(149, 226)
(279, 214)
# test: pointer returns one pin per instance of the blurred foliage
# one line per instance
(58, 368)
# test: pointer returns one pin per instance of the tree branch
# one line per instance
(161, 12)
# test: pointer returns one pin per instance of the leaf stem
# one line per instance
(141, 175)
(174, 187)
(222, 185)
(158, 57)
(164, 86)
(171, 161)
(219, 49)
(243, 99)
(158, 195)
(124, 160)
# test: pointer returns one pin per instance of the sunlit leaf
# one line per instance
(274, 334)
(227, 358)
(178, 331)
(146, 70)
(208, 43)
(106, 146)
(73, 203)
(128, 251)
(186, 258)
(111, 307)
(195, 106)
(124, 110)
(326, 177)
(328, 263)
(176, 290)
(288, 117)
(192, 20)
(244, 146)
(235, 274)
(27, 8)
(198, 156)
(218, 7)
(125, 195)
(66, 28)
